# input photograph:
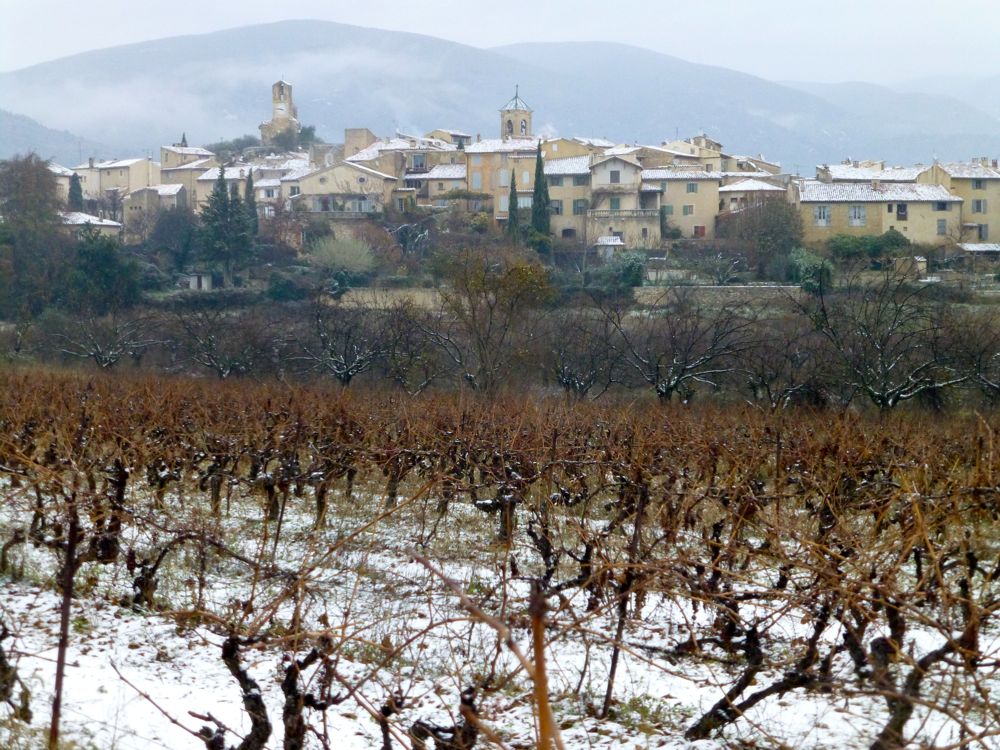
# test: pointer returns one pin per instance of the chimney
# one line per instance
(876, 184)
(994, 163)
(90, 161)
(477, 138)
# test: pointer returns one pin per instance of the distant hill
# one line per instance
(217, 85)
(20, 134)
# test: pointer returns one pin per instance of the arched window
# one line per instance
(281, 91)
(524, 127)
(510, 127)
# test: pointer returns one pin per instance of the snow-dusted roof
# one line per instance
(850, 173)
(188, 150)
(273, 182)
(200, 164)
(595, 142)
(751, 186)
(683, 175)
(499, 145)
(813, 191)
(369, 170)
(440, 172)
(169, 189)
(401, 143)
(626, 149)
(970, 171)
(574, 165)
(610, 241)
(980, 247)
(298, 174)
(76, 218)
(232, 173)
(61, 170)
(459, 133)
(113, 164)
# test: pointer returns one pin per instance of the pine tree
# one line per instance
(513, 220)
(184, 140)
(540, 197)
(225, 229)
(75, 199)
(250, 205)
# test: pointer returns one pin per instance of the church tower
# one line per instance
(284, 115)
(515, 118)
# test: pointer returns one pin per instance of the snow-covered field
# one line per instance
(367, 593)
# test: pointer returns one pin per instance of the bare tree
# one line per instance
(678, 342)
(106, 341)
(891, 343)
(346, 339)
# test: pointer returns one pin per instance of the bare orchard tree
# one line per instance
(486, 306)
(783, 364)
(227, 342)
(413, 361)
(105, 341)
(891, 343)
(679, 342)
(579, 352)
(345, 339)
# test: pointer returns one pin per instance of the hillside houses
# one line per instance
(615, 195)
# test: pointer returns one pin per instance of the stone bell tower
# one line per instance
(515, 118)
(284, 115)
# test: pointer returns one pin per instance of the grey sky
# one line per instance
(881, 41)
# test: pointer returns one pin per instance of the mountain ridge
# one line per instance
(215, 85)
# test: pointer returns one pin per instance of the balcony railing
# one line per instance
(623, 213)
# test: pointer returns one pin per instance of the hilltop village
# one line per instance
(601, 194)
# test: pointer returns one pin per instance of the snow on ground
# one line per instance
(393, 621)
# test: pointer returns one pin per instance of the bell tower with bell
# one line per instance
(515, 118)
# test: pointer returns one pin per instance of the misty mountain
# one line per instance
(217, 85)
(20, 134)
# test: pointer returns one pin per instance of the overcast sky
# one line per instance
(881, 41)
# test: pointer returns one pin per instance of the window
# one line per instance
(942, 206)
(699, 231)
(942, 227)
(645, 233)
(269, 193)
(504, 178)
(668, 209)
(984, 232)
(616, 176)
(580, 206)
(889, 207)
(821, 216)
(362, 180)
(692, 187)
(978, 185)
(525, 178)
(322, 180)
(901, 211)
(476, 160)
(616, 204)
(269, 212)
(419, 162)
(524, 201)
(568, 234)
(400, 204)
(580, 180)
(555, 207)
(294, 190)
(440, 186)
(687, 210)
(979, 206)
(477, 180)
(524, 127)
(555, 181)
(857, 216)
(504, 204)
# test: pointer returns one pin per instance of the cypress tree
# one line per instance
(250, 205)
(75, 199)
(513, 220)
(540, 197)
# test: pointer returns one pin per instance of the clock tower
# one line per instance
(284, 115)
